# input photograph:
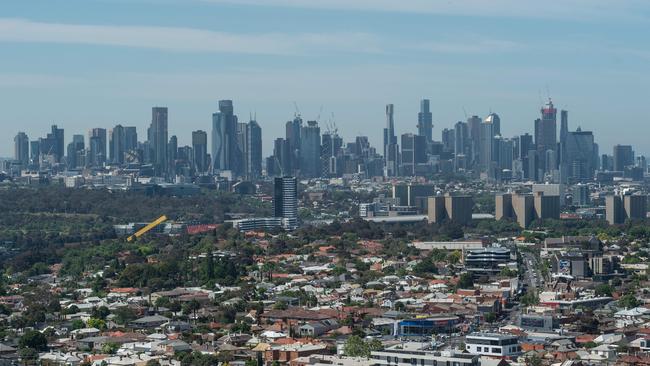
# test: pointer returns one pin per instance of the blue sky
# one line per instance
(96, 63)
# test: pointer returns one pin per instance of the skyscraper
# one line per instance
(76, 152)
(461, 145)
(52, 145)
(495, 121)
(254, 150)
(158, 139)
(97, 145)
(200, 151)
(292, 137)
(281, 157)
(425, 121)
(310, 163)
(285, 200)
(21, 148)
(623, 157)
(391, 149)
(330, 149)
(546, 134)
(414, 152)
(172, 154)
(578, 160)
(117, 145)
(474, 133)
(226, 150)
(486, 143)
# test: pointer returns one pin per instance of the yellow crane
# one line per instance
(147, 228)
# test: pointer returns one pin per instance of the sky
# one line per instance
(96, 63)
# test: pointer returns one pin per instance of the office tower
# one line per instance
(448, 140)
(623, 157)
(414, 195)
(619, 208)
(414, 152)
(130, 138)
(76, 152)
(97, 145)
(486, 143)
(532, 168)
(52, 144)
(292, 137)
(580, 195)
(462, 145)
(253, 150)
(200, 151)
(578, 159)
(158, 140)
(285, 200)
(564, 134)
(495, 121)
(281, 157)
(331, 147)
(546, 134)
(117, 145)
(35, 152)
(21, 148)
(227, 153)
(456, 209)
(310, 163)
(391, 149)
(425, 121)
(474, 132)
(172, 154)
(505, 149)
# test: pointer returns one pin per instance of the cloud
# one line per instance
(566, 9)
(180, 39)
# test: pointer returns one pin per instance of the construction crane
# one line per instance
(147, 228)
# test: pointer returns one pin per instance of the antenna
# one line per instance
(464, 111)
(319, 113)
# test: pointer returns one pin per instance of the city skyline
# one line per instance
(350, 57)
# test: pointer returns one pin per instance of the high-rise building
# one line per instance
(391, 148)
(448, 140)
(623, 157)
(486, 143)
(462, 145)
(310, 163)
(578, 156)
(52, 145)
(292, 138)
(35, 152)
(76, 152)
(474, 132)
(158, 140)
(546, 135)
(281, 158)
(457, 209)
(495, 121)
(21, 149)
(97, 145)
(130, 138)
(619, 208)
(331, 146)
(227, 154)
(414, 152)
(425, 121)
(200, 151)
(253, 150)
(117, 145)
(285, 200)
(172, 154)
(524, 208)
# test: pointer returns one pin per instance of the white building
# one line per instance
(492, 344)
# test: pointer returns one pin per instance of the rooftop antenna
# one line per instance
(464, 111)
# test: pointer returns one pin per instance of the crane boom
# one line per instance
(147, 228)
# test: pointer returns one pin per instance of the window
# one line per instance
(496, 350)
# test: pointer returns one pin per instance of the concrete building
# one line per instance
(416, 353)
(492, 344)
(453, 208)
(619, 208)
(524, 208)
(415, 195)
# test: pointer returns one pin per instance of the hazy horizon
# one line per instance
(97, 63)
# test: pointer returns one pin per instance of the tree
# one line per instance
(109, 348)
(357, 347)
(33, 339)
(530, 298)
(490, 317)
(78, 324)
(96, 323)
(604, 290)
(628, 301)
(466, 281)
